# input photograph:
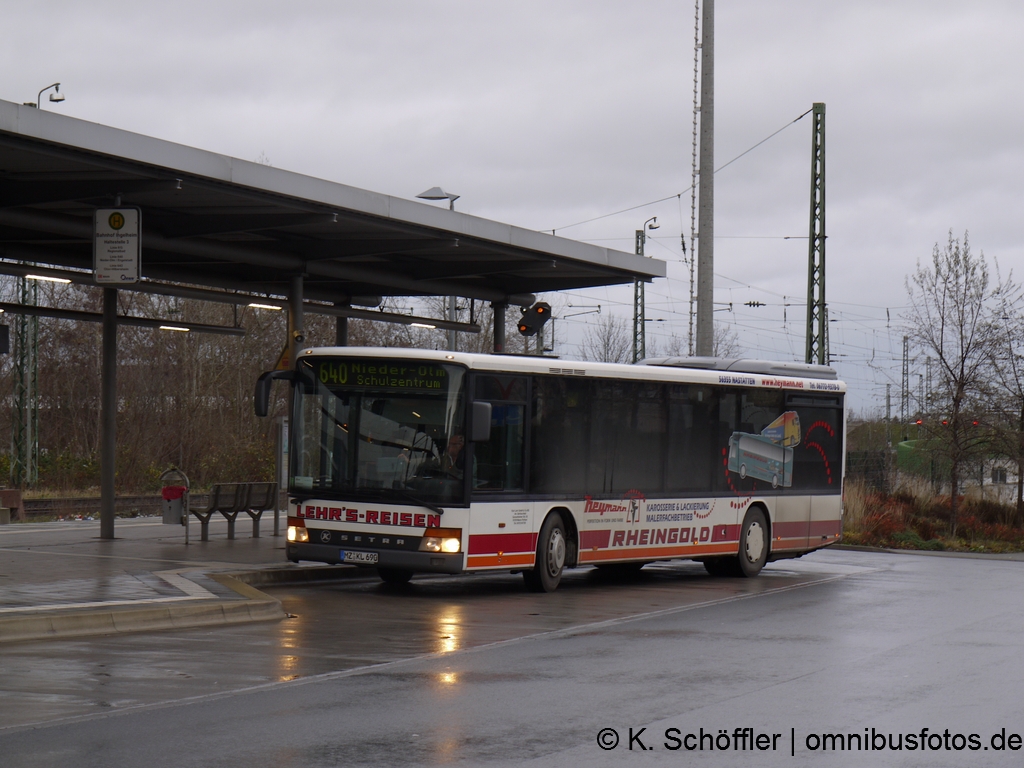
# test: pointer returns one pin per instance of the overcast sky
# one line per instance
(545, 114)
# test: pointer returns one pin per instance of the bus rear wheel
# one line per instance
(754, 542)
(753, 552)
(722, 566)
(551, 548)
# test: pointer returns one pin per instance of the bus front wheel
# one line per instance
(551, 547)
(394, 576)
(754, 542)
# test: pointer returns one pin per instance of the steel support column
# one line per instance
(341, 328)
(296, 319)
(499, 328)
(639, 309)
(705, 333)
(817, 309)
(453, 315)
(108, 417)
(25, 419)
(905, 390)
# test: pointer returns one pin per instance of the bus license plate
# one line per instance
(363, 558)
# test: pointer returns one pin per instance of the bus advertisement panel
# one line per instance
(769, 455)
(760, 457)
(414, 461)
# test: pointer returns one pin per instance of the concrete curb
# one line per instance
(144, 618)
(300, 575)
(35, 624)
(1005, 556)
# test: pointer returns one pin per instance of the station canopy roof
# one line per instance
(222, 223)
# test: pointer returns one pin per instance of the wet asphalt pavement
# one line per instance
(475, 671)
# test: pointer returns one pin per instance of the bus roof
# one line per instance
(742, 365)
(698, 370)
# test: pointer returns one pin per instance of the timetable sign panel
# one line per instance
(116, 245)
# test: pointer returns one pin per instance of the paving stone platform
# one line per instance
(62, 580)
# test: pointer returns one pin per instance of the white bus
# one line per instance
(416, 461)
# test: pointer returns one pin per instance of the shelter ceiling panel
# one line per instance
(208, 219)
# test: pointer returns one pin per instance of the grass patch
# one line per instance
(916, 519)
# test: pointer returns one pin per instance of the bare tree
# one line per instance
(479, 312)
(954, 318)
(607, 341)
(725, 344)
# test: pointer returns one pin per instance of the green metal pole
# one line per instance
(639, 310)
(817, 311)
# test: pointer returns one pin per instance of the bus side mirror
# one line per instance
(261, 400)
(481, 426)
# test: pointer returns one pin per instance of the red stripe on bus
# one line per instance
(790, 530)
(725, 533)
(637, 553)
(826, 528)
(780, 544)
(493, 561)
(492, 543)
(592, 539)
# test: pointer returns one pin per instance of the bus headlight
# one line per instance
(450, 545)
(297, 534)
(447, 540)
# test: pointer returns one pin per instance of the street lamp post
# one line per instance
(56, 97)
(436, 193)
(25, 437)
(639, 310)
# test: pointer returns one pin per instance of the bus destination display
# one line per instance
(394, 376)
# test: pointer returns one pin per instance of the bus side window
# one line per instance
(498, 463)
(560, 435)
(817, 458)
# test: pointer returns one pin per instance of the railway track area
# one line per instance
(73, 508)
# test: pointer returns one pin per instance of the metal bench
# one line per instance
(232, 498)
(11, 502)
(260, 498)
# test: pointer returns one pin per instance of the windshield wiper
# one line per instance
(384, 494)
(388, 493)
(423, 503)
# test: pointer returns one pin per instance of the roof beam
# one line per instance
(222, 297)
(139, 322)
(204, 225)
(33, 192)
(81, 229)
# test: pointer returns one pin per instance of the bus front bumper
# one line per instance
(417, 562)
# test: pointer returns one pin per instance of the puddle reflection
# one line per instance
(450, 631)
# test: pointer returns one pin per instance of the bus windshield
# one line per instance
(379, 429)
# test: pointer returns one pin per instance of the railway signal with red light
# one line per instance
(533, 319)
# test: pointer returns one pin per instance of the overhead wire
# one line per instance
(679, 195)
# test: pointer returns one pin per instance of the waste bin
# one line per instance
(175, 496)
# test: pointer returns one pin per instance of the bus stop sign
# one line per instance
(116, 245)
